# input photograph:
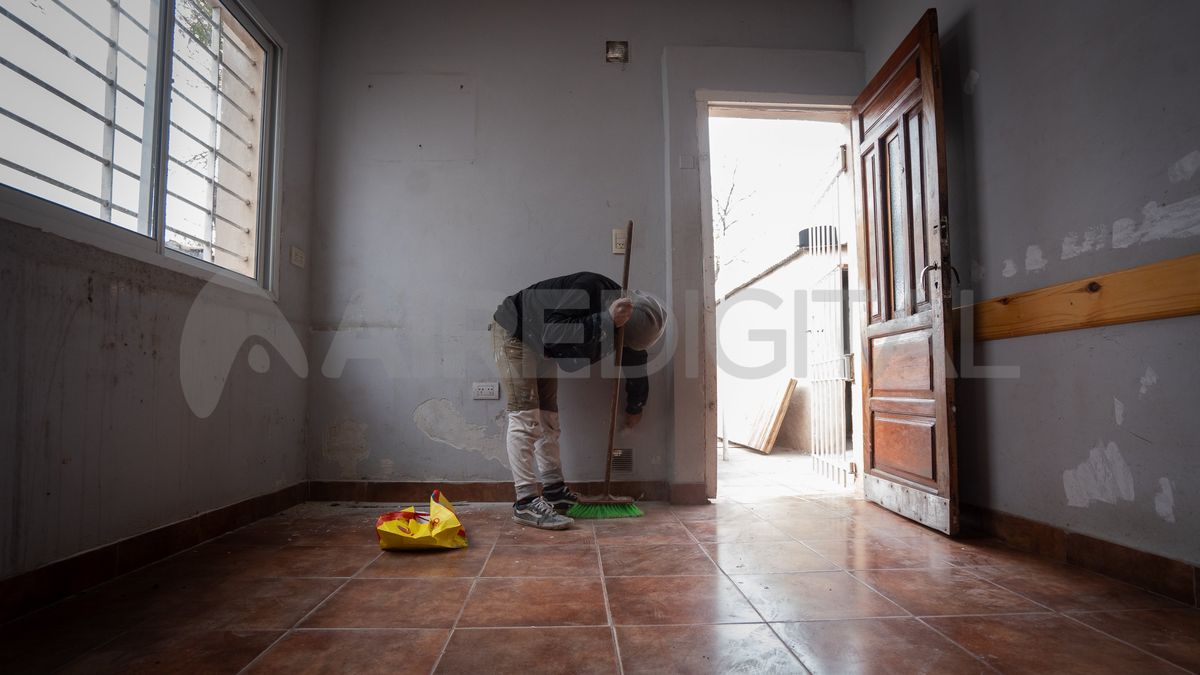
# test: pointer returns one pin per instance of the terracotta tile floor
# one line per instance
(822, 584)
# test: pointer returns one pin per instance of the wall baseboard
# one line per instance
(689, 494)
(502, 491)
(1173, 578)
(44, 585)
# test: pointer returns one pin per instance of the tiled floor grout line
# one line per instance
(1068, 617)
(307, 614)
(849, 572)
(612, 626)
(462, 610)
(954, 642)
(745, 597)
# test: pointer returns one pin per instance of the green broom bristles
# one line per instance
(600, 511)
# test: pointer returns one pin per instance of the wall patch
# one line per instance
(1034, 260)
(1103, 477)
(1119, 411)
(438, 419)
(1185, 168)
(1172, 221)
(1164, 500)
(1148, 381)
(1010, 268)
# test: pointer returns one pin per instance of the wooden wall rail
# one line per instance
(1158, 290)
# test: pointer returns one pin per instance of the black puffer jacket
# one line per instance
(566, 319)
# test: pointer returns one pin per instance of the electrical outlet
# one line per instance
(299, 259)
(619, 240)
(485, 391)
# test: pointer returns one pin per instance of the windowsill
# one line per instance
(25, 209)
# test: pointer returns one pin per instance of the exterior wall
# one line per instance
(97, 442)
(1073, 148)
(468, 150)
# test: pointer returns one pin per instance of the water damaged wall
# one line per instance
(100, 438)
(467, 151)
(1073, 150)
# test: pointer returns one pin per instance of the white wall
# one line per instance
(97, 442)
(1066, 122)
(437, 201)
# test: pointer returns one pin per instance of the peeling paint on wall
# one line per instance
(1119, 411)
(1164, 500)
(1148, 381)
(1092, 239)
(1185, 168)
(970, 82)
(438, 419)
(1010, 268)
(346, 445)
(1034, 260)
(1103, 477)
(1173, 221)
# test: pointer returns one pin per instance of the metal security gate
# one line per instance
(830, 364)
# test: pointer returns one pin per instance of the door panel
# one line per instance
(903, 362)
(905, 446)
(901, 182)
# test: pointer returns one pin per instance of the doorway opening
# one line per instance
(780, 199)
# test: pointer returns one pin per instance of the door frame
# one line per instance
(820, 107)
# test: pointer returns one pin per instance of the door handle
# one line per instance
(935, 266)
(925, 274)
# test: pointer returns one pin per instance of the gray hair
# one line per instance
(647, 323)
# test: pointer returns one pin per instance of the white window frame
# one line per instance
(39, 213)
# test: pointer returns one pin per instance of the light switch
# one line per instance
(299, 258)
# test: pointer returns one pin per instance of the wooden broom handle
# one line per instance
(619, 345)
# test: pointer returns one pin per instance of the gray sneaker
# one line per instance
(538, 513)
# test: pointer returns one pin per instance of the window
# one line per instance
(178, 149)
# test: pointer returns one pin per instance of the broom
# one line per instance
(606, 505)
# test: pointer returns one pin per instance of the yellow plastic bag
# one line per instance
(411, 529)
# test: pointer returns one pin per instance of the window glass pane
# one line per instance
(215, 139)
(73, 90)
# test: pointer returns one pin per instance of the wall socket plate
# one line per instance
(619, 241)
(485, 391)
(299, 258)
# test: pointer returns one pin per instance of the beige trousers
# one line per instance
(530, 385)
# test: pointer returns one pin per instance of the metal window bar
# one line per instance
(74, 59)
(63, 186)
(132, 19)
(215, 135)
(219, 184)
(110, 112)
(216, 89)
(199, 108)
(214, 55)
(206, 146)
(205, 244)
(104, 161)
(66, 97)
(212, 214)
(112, 42)
(221, 28)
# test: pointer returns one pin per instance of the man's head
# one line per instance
(647, 323)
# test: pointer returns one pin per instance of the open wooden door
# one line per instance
(904, 258)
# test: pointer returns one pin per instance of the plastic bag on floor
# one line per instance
(410, 528)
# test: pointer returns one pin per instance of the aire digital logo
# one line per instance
(222, 318)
